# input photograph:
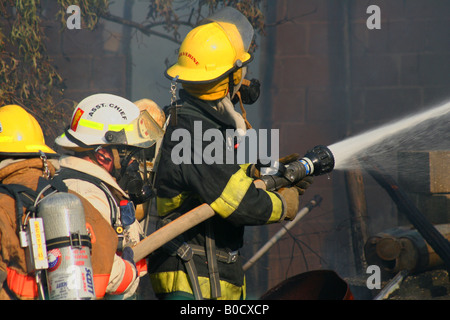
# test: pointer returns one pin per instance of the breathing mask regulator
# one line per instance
(248, 93)
(134, 176)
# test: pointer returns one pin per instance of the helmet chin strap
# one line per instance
(232, 88)
(116, 159)
(228, 107)
(244, 113)
(75, 140)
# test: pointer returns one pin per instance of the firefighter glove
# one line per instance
(291, 200)
(253, 170)
(304, 184)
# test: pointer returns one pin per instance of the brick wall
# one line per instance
(325, 79)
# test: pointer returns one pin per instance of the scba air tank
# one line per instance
(69, 274)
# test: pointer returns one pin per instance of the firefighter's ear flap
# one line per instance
(116, 159)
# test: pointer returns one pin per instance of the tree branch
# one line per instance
(144, 29)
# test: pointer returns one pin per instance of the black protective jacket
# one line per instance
(225, 187)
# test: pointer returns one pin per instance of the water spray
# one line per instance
(401, 133)
(317, 161)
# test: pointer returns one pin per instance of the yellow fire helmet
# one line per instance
(20, 133)
(216, 48)
(107, 119)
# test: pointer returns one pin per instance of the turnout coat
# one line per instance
(228, 189)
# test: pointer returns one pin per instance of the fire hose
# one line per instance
(170, 231)
(317, 161)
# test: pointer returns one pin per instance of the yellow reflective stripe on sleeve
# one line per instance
(277, 208)
(118, 127)
(233, 194)
(166, 205)
(90, 124)
(173, 281)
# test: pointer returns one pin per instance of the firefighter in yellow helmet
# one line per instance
(27, 163)
(204, 263)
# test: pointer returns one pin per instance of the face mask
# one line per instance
(132, 183)
(249, 90)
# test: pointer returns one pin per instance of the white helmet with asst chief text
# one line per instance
(107, 119)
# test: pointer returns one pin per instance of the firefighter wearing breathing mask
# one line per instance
(26, 164)
(204, 262)
(105, 141)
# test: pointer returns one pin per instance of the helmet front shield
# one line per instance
(229, 15)
(143, 132)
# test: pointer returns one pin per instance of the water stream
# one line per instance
(426, 130)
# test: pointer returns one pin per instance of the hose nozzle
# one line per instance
(319, 160)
